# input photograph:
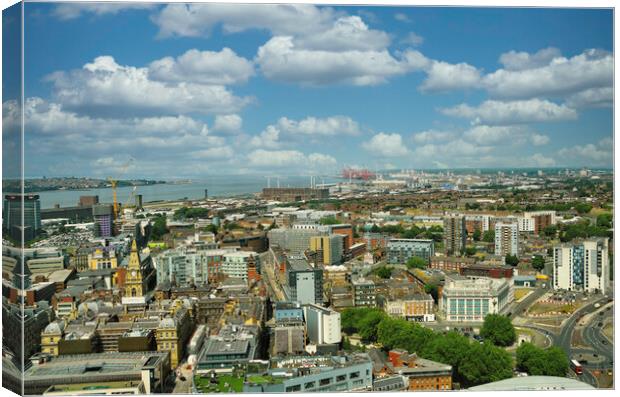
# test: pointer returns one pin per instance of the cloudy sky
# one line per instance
(191, 90)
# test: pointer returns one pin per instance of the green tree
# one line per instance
(416, 262)
(536, 361)
(550, 231)
(470, 251)
(489, 236)
(512, 260)
(384, 272)
(486, 363)
(583, 208)
(432, 289)
(159, 227)
(604, 220)
(498, 330)
(538, 262)
(375, 228)
(477, 235)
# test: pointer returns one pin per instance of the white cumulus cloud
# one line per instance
(386, 145)
(511, 112)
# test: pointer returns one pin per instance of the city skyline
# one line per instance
(397, 87)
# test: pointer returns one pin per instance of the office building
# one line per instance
(103, 258)
(582, 266)
(312, 374)
(151, 368)
(345, 230)
(323, 325)
(329, 248)
(288, 339)
(103, 216)
(364, 293)
(233, 346)
(288, 312)
(173, 334)
(12, 216)
(288, 194)
(304, 284)
(470, 300)
(186, 265)
(400, 250)
(296, 241)
(88, 201)
(454, 235)
(242, 265)
(506, 239)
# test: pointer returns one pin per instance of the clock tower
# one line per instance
(134, 283)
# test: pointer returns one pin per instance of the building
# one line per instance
(296, 241)
(103, 216)
(287, 194)
(310, 374)
(470, 300)
(101, 388)
(343, 229)
(102, 258)
(476, 222)
(139, 278)
(288, 339)
(452, 264)
(151, 368)
(185, 265)
(421, 374)
(242, 265)
(12, 216)
(173, 333)
(88, 201)
(323, 325)
(506, 239)
(533, 383)
(364, 293)
(400, 250)
(454, 235)
(288, 312)
(487, 269)
(304, 284)
(233, 346)
(329, 248)
(541, 219)
(416, 307)
(582, 266)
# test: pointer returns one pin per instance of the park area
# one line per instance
(221, 384)
(559, 308)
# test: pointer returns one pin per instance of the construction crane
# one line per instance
(113, 183)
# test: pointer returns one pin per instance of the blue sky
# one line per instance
(191, 90)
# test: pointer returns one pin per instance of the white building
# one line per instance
(582, 266)
(525, 224)
(237, 264)
(322, 324)
(470, 300)
(506, 239)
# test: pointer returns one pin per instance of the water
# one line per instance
(218, 186)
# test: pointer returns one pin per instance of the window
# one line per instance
(325, 381)
(293, 388)
(309, 385)
(340, 378)
(354, 375)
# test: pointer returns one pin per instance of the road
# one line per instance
(520, 307)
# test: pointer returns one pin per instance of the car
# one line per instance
(600, 324)
(595, 355)
(182, 378)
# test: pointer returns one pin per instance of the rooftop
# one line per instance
(534, 383)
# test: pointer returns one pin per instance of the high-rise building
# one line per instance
(400, 250)
(103, 215)
(541, 219)
(304, 284)
(323, 325)
(506, 238)
(329, 248)
(12, 216)
(454, 234)
(582, 266)
(88, 201)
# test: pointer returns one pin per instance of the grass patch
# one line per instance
(520, 293)
(544, 308)
(225, 384)
(608, 330)
(260, 379)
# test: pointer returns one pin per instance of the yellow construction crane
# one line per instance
(113, 182)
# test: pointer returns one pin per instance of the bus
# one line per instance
(576, 367)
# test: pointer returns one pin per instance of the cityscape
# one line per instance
(275, 198)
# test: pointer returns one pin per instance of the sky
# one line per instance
(181, 91)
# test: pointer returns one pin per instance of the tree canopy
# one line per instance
(498, 330)
(159, 227)
(536, 361)
(512, 260)
(489, 236)
(473, 363)
(415, 262)
(538, 262)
